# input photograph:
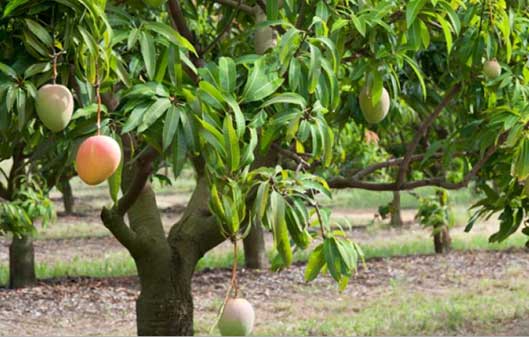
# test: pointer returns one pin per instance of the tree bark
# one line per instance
(442, 240)
(21, 262)
(396, 217)
(255, 249)
(67, 195)
(165, 264)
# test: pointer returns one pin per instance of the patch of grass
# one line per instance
(115, 264)
(357, 199)
(481, 307)
(122, 264)
(72, 230)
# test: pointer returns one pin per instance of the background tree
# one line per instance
(267, 135)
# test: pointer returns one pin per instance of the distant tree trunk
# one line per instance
(396, 217)
(254, 244)
(67, 195)
(442, 240)
(255, 249)
(21, 262)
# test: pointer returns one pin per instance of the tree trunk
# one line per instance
(396, 217)
(165, 304)
(21, 262)
(255, 249)
(442, 240)
(67, 195)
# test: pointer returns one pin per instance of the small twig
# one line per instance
(233, 3)
(292, 155)
(224, 30)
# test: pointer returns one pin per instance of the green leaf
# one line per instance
(213, 92)
(215, 204)
(114, 182)
(231, 144)
(315, 262)
(332, 258)
(412, 10)
(280, 230)
(417, 71)
(286, 98)
(520, 164)
(359, 24)
(179, 150)
(240, 120)
(155, 111)
(447, 33)
(8, 71)
(132, 38)
(172, 118)
(162, 67)
(314, 67)
(37, 68)
(89, 41)
(227, 74)
(12, 5)
(40, 32)
(261, 199)
(148, 53)
(170, 34)
(259, 85)
(272, 9)
(21, 108)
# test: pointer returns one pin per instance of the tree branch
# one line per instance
(179, 23)
(341, 182)
(235, 4)
(144, 170)
(115, 224)
(292, 155)
(224, 30)
(404, 166)
(3, 192)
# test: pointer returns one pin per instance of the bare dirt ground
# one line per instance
(83, 306)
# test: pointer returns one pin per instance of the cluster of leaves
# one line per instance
(30, 203)
(434, 211)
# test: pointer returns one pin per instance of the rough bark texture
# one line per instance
(21, 262)
(396, 217)
(442, 240)
(165, 263)
(67, 196)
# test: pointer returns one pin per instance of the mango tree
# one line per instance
(270, 102)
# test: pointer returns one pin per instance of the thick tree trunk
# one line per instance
(255, 249)
(165, 264)
(442, 240)
(165, 304)
(396, 217)
(21, 262)
(67, 196)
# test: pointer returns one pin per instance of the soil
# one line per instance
(88, 306)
